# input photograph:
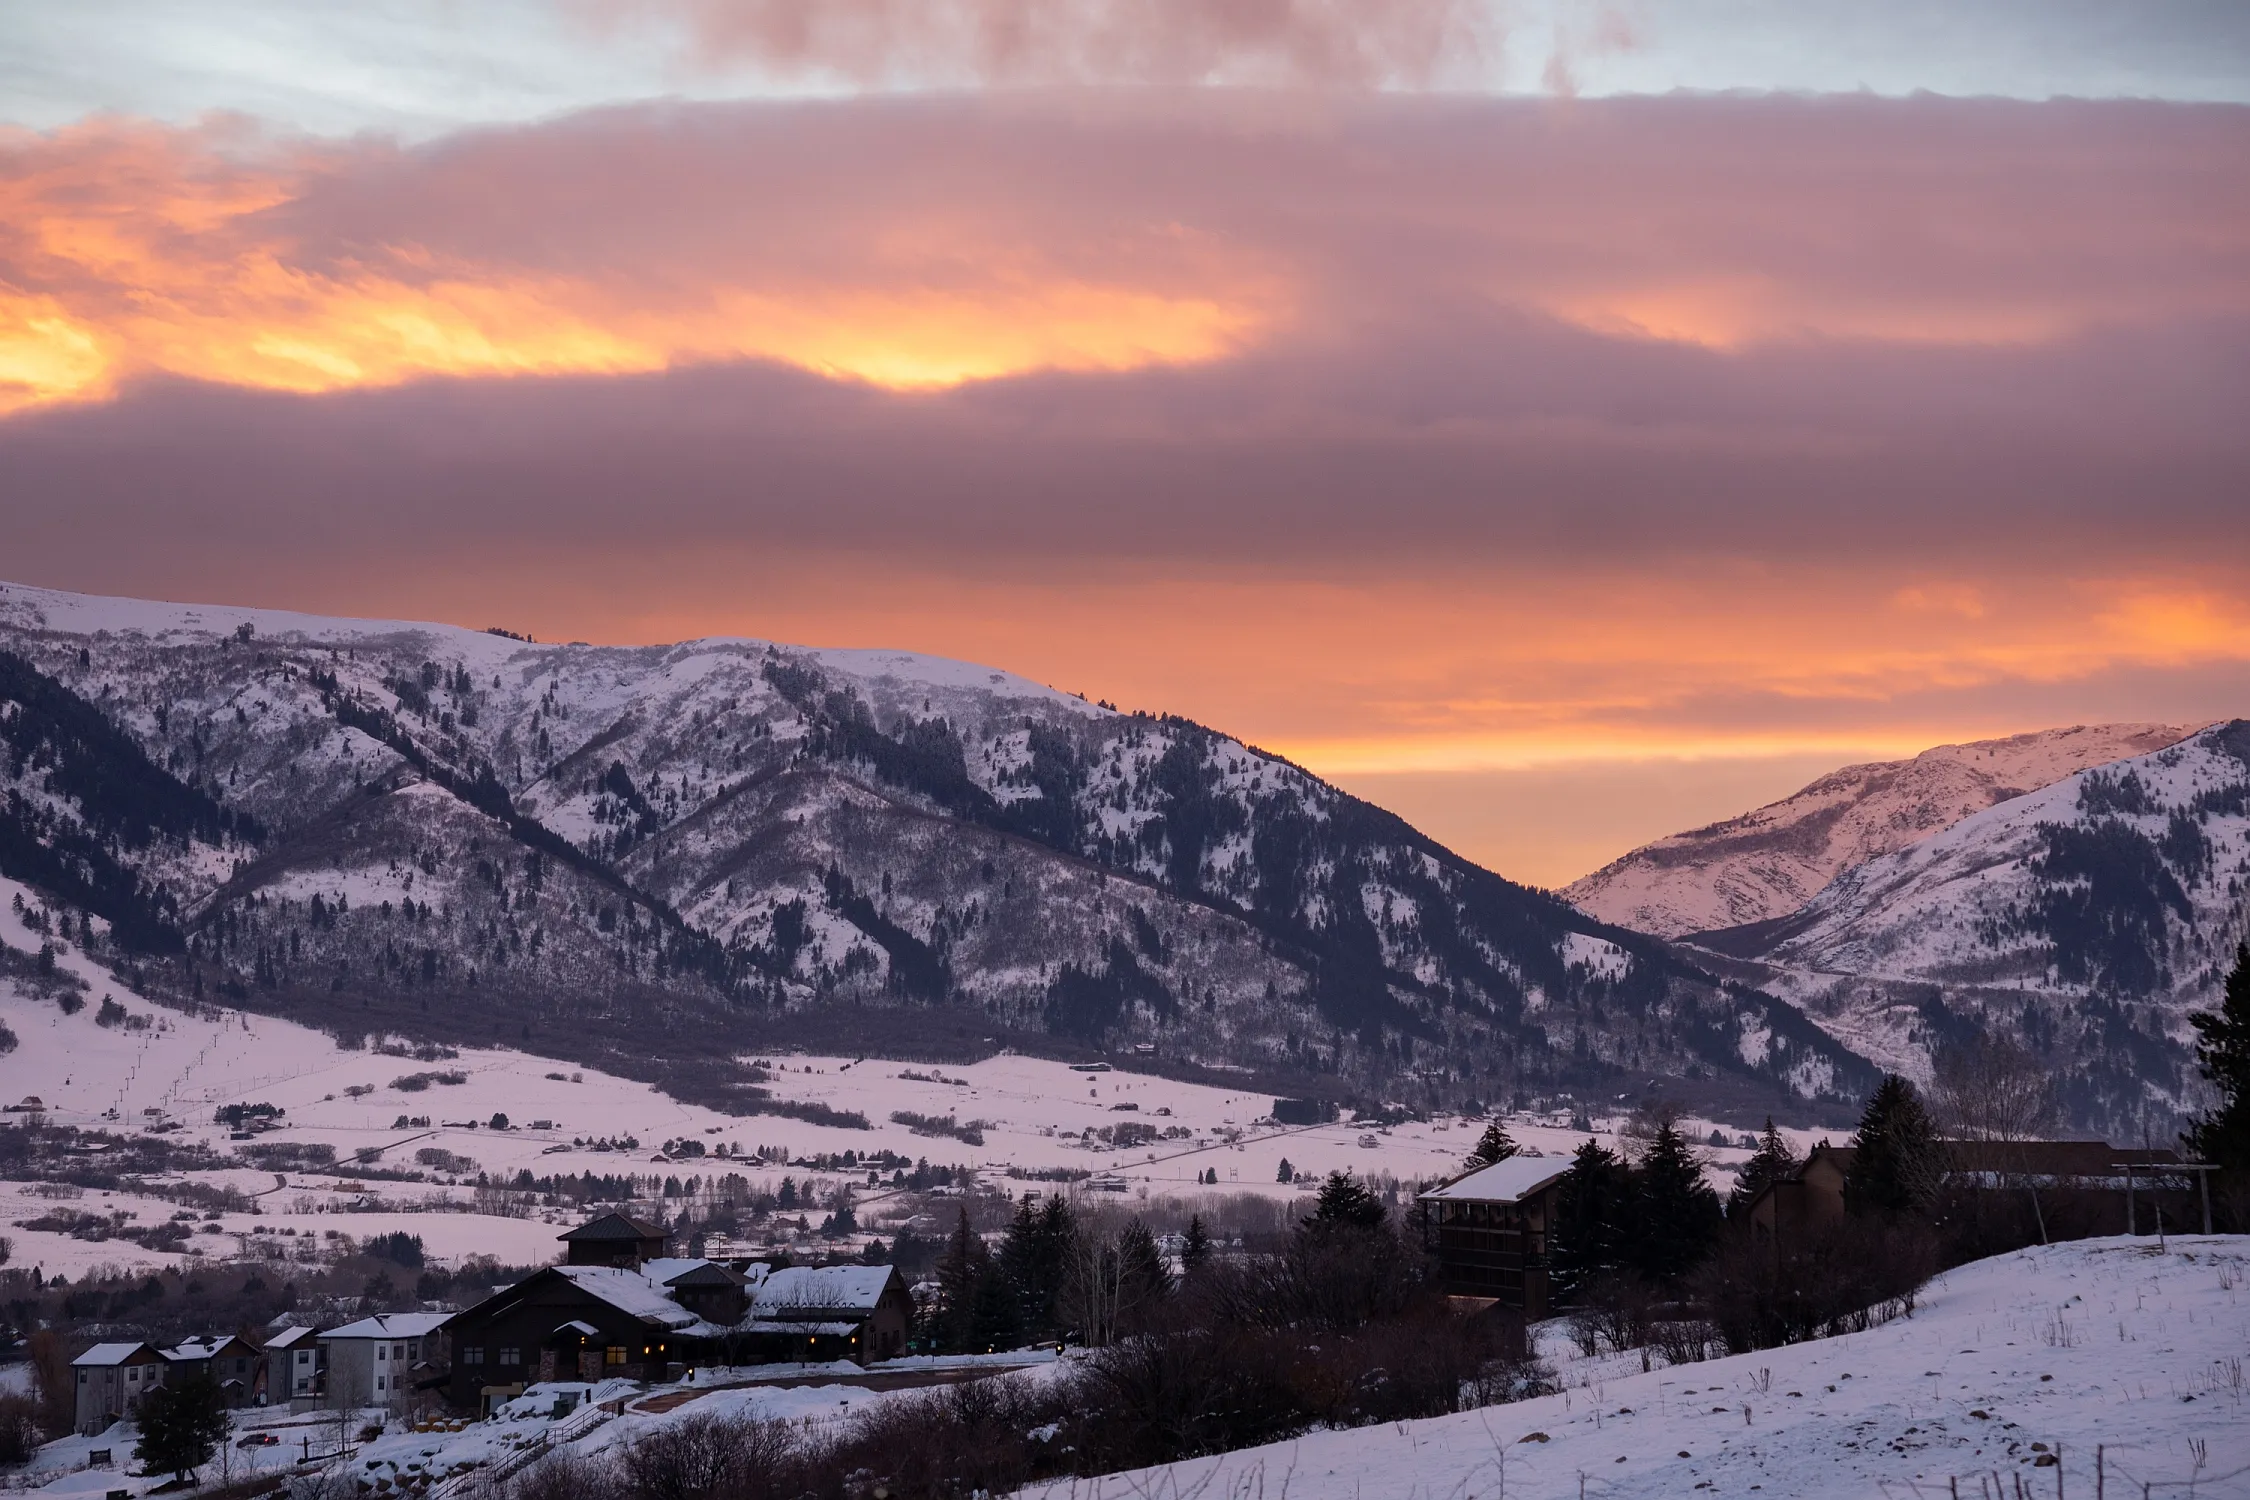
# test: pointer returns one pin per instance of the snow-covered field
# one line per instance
(2102, 1350)
(174, 1072)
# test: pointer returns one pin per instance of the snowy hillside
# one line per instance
(656, 859)
(1768, 863)
(2029, 1369)
(161, 1076)
(2089, 918)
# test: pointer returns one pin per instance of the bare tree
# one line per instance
(1995, 1092)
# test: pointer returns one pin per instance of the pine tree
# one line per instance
(181, 1426)
(2222, 1050)
(1287, 1173)
(1773, 1161)
(1346, 1201)
(1589, 1211)
(1143, 1280)
(1675, 1215)
(961, 1274)
(1897, 1161)
(1495, 1147)
(1036, 1257)
(1195, 1252)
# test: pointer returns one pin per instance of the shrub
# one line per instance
(1837, 1278)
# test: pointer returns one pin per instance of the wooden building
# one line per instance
(238, 1366)
(2074, 1189)
(813, 1313)
(1491, 1227)
(569, 1323)
(613, 1240)
(111, 1379)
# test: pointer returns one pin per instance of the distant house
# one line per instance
(569, 1323)
(828, 1312)
(235, 1363)
(651, 1319)
(1491, 1230)
(379, 1361)
(2082, 1185)
(614, 1240)
(293, 1366)
(111, 1380)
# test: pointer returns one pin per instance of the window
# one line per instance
(473, 1354)
(510, 1356)
(614, 1355)
(382, 1352)
(81, 1377)
(378, 1382)
(398, 1351)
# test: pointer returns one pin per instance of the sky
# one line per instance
(1561, 423)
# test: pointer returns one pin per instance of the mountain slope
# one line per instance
(2088, 917)
(1768, 863)
(660, 857)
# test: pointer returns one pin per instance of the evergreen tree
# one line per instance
(1346, 1201)
(1897, 1161)
(1287, 1172)
(1675, 1215)
(181, 1425)
(2222, 1050)
(1495, 1147)
(1036, 1257)
(1773, 1161)
(1589, 1213)
(993, 1323)
(1195, 1252)
(961, 1273)
(1143, 1280)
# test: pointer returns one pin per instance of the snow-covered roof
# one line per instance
(584, 1330)
(629, 1292)
(1507, 1181)
(289, 1338)
(668, 1269)
(203, 1348)
(841, 1288)
(109, 1354)
(390, 1326)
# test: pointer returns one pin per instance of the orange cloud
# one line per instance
(137, 250)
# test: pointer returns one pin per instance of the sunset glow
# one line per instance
(1404, 436)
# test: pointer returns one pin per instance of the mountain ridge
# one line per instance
(661, 855)
(1765, 864)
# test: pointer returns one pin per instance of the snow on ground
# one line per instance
(167, 1072)
(2101, 1343)
(401, 1452)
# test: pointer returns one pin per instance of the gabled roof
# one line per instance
(1509, 1181)
(112, 1354)
(628, 1292)
(204, 1348)
(802, 1289)
(390, 1326)
(698, 1273)
(612, 1227)
(290, 1338)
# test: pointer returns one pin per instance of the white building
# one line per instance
(292, 1366)
(375, 1361)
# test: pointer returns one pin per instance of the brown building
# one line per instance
(2081, 1187)
(568, 1323)
(613, 1240)
(238, 1365)
(1490, 1229)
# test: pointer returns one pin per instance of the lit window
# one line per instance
(614, 1355)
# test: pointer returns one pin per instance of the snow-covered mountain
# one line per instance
(1768, 863)
(654, 858)
(2091, 917)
